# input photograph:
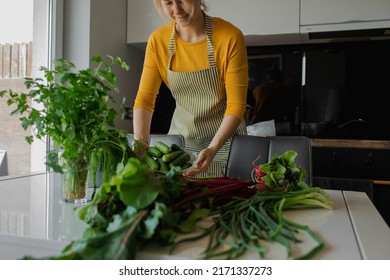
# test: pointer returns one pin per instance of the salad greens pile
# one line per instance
(139, 205)
(281, 173)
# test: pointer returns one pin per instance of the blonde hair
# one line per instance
(159, 8)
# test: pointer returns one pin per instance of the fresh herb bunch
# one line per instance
(281, 173)
(75, 108)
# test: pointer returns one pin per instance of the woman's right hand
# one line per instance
(139, 147)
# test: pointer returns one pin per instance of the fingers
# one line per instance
(198, 168)
(139, 148)
(192, 172)
(201, 164)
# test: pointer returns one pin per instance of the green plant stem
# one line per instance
(242, 224)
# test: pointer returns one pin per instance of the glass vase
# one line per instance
(75, 182)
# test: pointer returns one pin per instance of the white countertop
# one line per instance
(33, 222)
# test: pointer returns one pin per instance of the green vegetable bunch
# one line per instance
(281, 173)
(246, 223)
(75, 109)
(140, 204)
(123, 213)
(129, 210)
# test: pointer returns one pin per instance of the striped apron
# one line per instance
(200, 106)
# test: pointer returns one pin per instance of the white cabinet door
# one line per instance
(328, 16)
(142, 20)
(254, 17)
(343, 11)
(259, 17)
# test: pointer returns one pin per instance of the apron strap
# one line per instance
(210, 49)
(209, 35)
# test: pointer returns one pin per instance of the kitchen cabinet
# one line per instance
(256, 17)
(343, 11)
(259, 17)
(263, 22)
(354, 165)
(351, 163)
(345, 15)
(276, 22)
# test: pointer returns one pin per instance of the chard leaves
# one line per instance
(120, 243)
(282, 173)
(136, 184)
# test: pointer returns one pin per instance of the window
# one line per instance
(24, 47)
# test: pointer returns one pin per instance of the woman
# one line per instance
(203, 62)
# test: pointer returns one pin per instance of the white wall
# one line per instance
(98, 27)
(76, 36)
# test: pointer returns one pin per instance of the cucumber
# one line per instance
(150, 162)
(175, 147)
(186, 165)
(154, 152)
(181, 160)
(164, 148)
(162, 165)
(172, 156)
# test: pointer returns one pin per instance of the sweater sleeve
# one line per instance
(236, 73)
(151, 79)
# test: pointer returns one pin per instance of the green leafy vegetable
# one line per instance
(136, 184)
(281, 173)
(140, 204)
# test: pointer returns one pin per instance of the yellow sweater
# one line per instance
(230, 58)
